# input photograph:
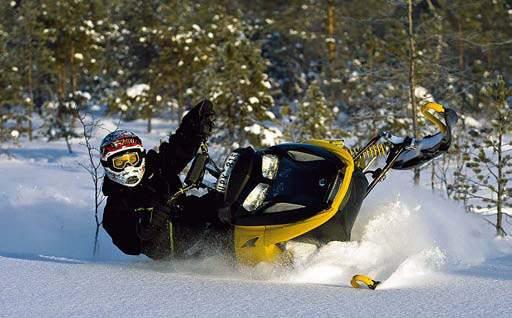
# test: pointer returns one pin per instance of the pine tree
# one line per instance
(27, 55)
(132, 36)
(186, 45)
(236, 82)
(314, 119)
(4, 95)
(75, 47)
(491, 160)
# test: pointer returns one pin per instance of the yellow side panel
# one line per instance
(250, 247)
(255, 244)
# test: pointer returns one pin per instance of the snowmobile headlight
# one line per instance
(269, 166)
(256, 198)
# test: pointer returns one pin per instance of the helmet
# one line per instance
(123, 157)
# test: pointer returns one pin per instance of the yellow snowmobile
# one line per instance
(308, 191)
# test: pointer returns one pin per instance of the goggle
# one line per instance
(131, 158)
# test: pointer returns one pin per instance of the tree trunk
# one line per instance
(499, 201)
(30, 84)
(61, 91)
(412, 82)
(181, 99)
(74, 83)
(433, 176)
(438, 70)
(68, 144)
(461, 47)
(331, 44)
(149, 113)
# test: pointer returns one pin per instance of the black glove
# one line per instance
(199, 120)
(150, 221)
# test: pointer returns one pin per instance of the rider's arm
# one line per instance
(184, 143)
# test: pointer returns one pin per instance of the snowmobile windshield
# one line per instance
(290, 182)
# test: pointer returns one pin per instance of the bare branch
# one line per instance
(490, 171)
(93, 168)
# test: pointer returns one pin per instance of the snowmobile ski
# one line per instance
(370, 283)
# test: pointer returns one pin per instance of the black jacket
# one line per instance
(160, 180)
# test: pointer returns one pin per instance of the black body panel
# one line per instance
(339, 227)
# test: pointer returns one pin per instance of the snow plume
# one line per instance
(399, 237)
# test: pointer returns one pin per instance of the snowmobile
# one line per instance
(309, 191)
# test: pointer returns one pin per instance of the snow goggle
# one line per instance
(129, 158)
(126, 158)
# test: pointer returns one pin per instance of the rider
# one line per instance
(139, 183)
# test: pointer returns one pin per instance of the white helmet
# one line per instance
(123, 157)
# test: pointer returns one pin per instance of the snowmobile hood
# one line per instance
(258, 233)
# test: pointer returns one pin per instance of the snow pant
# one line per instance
(196, 231)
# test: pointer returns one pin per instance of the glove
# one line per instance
(151, 220)
(200, 119)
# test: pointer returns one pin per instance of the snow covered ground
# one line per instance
(433, 258)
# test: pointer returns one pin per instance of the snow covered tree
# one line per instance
(186, 44)
(28, 55)
(491, 160)
(236, 82)
(75, 47)
(137, 102)
(315, 118)
(131, 39)
(5, 82)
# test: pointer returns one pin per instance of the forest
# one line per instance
(275, 71)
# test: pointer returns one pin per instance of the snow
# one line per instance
(254, 129)
(89, 23)
(85, 95)
(270, 114)
(434, 259)
(271, 136)
(423, 94)
(472, 122)
(266, 84)
(137, 90)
